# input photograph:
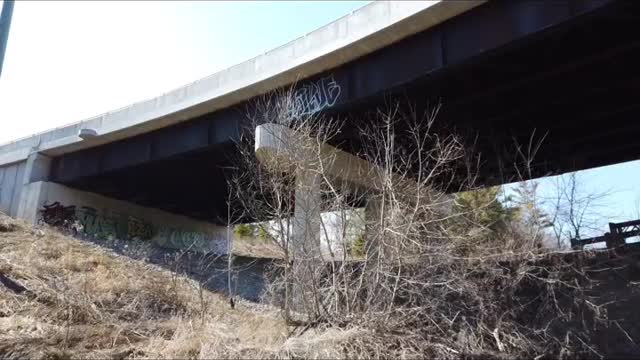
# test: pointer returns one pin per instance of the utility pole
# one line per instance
(5, 24)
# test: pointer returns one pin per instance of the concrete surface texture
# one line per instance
(11, 182)
(279, 146)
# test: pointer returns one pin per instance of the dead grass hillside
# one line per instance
(253, 246)
(61, 297)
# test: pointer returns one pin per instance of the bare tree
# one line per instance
(575, 210)
(266, 184)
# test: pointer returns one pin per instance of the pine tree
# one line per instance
(483, 208)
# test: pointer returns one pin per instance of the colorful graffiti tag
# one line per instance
(182, 239)
(110, 225)
(138, 229)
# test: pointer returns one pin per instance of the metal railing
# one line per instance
(618, 233)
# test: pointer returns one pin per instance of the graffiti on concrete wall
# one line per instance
(181, 239)
(315, 96)
(178, 238)
(138, 229)
(110, 225)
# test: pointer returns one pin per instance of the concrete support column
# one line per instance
(32, 198)
(306, 219)
(36, 173)
(37, 169)
(373, 227)
(305, 245)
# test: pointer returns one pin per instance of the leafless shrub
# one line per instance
(431, 282)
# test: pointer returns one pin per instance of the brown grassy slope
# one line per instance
(253, 246)
(83, 301)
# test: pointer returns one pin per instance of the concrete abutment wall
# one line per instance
(11, 183)
(104, 217)
(24, 189)
(15, 176)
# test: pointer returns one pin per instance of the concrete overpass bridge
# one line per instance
(502, 70)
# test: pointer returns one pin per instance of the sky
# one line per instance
(68, 61)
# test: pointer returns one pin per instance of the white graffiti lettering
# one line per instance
(313, 97)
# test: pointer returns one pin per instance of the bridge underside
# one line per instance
(572, 80)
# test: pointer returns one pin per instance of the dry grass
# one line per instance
(255, 247)
(83, 301)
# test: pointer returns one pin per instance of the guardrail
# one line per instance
(618, 233)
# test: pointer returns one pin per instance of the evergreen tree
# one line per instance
(482, 207)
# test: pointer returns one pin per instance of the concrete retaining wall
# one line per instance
(104, 217)
(11, 183)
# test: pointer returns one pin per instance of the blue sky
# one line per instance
(67, 61)
(620, 182)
